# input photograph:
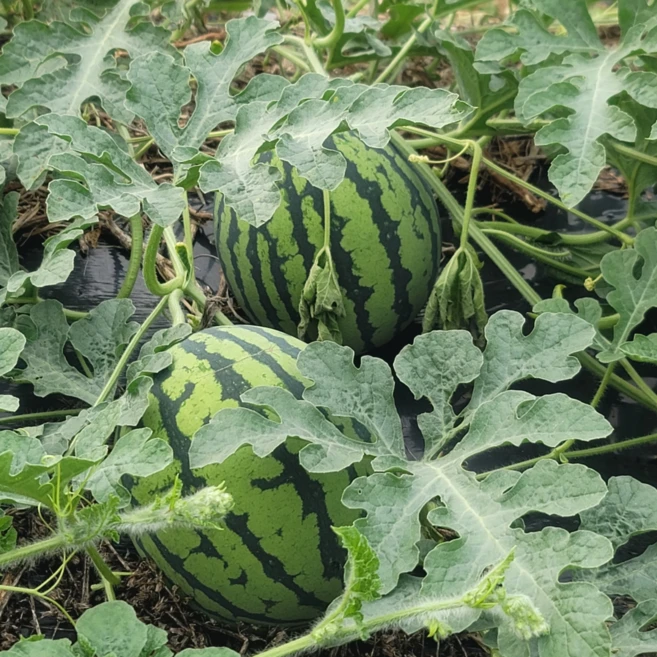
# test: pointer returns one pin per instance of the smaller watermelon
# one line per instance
(384, 245)
(278, 560)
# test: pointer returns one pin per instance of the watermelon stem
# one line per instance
(332, 38)
(136, 249)
(149, 268)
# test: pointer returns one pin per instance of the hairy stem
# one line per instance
(638, 380)
(136, 248)
(33, 550)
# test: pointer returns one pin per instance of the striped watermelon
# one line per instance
(385, 243)
(278, 561)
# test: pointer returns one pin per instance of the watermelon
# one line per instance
(384, 239)
(278, 560)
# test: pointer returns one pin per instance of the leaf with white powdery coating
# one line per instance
(328, 449)
(628, 636)
(371, 111)
(49, 371)
(160, 87)
(628, 509)
(84, 67)
(433, 367)
(547, 353)
(11, 346)
(635, 290)
(588, 78)
(97, 172)
(135, 454)
(642, 348)
(364, 393)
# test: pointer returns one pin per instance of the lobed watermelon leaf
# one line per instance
(100, 338)
(627, 510)
(12, 343)
(631, 275)
(96, 170)
(587, 83)
(328, 105)
(483, 514)
(628, 634)
(160, 87)
(634, 292)
(61, 65)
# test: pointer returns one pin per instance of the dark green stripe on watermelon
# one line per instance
(385, 242)
(277, 561)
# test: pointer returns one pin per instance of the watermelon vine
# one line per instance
(271, 480)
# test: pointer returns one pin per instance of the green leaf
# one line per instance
(100, 338)
(362, 581)
(638, 175)
(42, 648)
(585, 82)
(628, 509)
(135, 454)
(8, 533)
(321, 304)
(364, 393)
(546, 353)
(24, 470)
(328, 448)
(340, 387)
(154, 356)
(112, 628)
(588, 309)
(93, 426)
(12, 343)
(488, 93)
(328, 105)
(160, 88)
(534, 41)
(8, 253)
(628, 636)
(642, 348)
(633, 275)
(74, 63)
(57, 262)
(113, 179)
(433, 367)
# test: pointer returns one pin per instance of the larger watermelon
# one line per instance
(278, 561)
(385, 243)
